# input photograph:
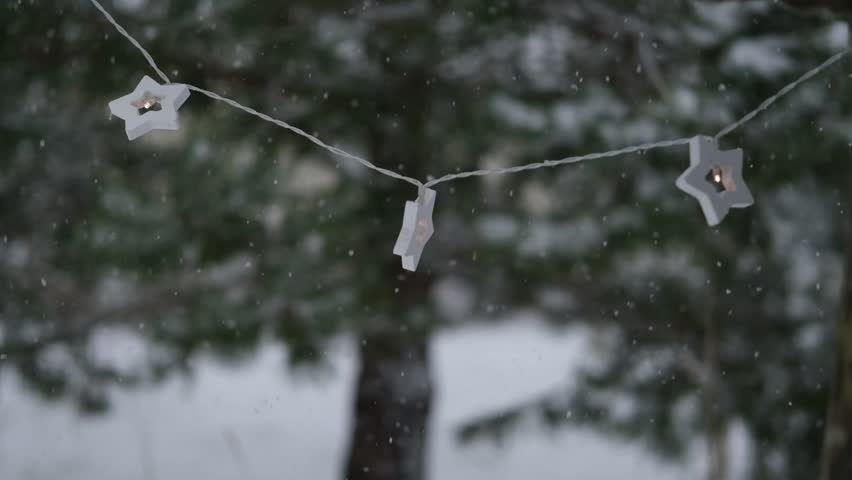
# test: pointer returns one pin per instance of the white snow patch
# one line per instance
(518, 114)
(497, 228)
(836, 36)
(311, 177)
(764, 56)
(251, 420)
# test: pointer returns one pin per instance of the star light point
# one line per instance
(715, 179)
(417, 229)
(151, 106)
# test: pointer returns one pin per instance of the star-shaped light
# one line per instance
(417, 229)
(715, 179)
(151, 106)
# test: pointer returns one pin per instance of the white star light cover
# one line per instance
(417, 229)
(150, 107)
(715, 179)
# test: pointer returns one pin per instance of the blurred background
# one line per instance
(222, 301)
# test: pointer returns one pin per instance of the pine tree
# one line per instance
(230, 231)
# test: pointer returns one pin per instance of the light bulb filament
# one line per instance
(147, 103)
(717, 174)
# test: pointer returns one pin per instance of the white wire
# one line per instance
(475, 173)
(784, 91)
(664, 144)
(135, 43)
(299, 131)
(251, 111)
(556, 163)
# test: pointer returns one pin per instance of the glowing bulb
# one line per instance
(422, 231)
(148, 102)
(716, 174)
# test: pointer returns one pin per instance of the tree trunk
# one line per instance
(392, 406)
(394, 389)
(716, 424)
(837, 444)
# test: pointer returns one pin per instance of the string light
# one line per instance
(726, 190)
(417, 229)
(149, 107)
(731, 192)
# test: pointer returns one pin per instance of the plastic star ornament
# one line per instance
(417, 229)
(715, 179)
(150, 107)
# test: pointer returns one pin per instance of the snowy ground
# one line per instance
(253, 421)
